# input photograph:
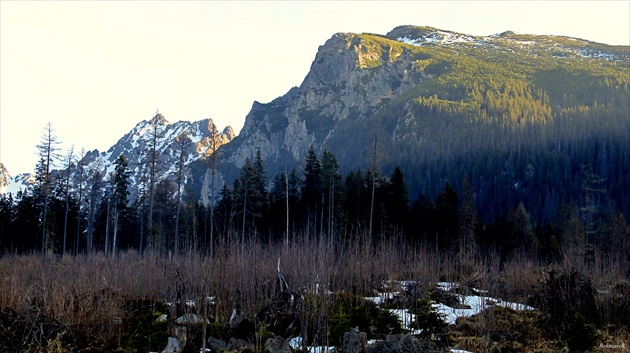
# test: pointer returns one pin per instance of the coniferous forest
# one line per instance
(86, 213)
(87, 253)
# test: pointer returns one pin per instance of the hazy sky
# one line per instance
(95, 69)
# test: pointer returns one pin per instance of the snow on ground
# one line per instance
(474, 303)
(381, 298)
(406, 319)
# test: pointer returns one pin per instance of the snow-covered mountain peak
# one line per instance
(14, 184)
(191, 141)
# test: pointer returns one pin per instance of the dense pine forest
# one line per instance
(64, 216)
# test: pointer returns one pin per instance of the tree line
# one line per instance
(76, 210)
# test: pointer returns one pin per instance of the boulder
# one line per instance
(278, 345)
(354, 341)
(172, 346)
(403, 344)
(237, 344)
(215, 344)
(190, 319)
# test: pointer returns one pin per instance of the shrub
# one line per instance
(433, 327)
(579, 333)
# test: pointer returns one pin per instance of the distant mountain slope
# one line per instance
(13, 184)
(196, 138)
(136, 144)
(523, 116)
(503, 109)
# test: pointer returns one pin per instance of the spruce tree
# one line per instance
(120, 197)
(311, 190)
(397, 201)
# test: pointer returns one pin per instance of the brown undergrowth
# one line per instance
(94, 303)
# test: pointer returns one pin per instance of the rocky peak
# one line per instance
(4, 176)
(351, 75)
(13, 184)
(199, 139)
(229, 133)
(158, 119)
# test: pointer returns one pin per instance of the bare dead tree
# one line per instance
(67, 175)
(80, 170)
(214, 145)
(182, 142)
(153, 157)
(373, 185)
(49, 153)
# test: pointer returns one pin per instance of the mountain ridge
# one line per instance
(490, 93)
(197, 137)
(435, 100)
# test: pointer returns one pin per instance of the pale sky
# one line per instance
(94, 69)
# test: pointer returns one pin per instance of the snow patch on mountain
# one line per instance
(439, 37)
(196, 142)
(15, 184)
(557, 46)
(193, 139)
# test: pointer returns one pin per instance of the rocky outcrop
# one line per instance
(197, 140)
(424, 92)
(351, 77)
(354, 341)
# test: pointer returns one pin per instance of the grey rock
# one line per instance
(172, 346)
(215, 344)
(278, 345)
(237, 344)
(354, 342)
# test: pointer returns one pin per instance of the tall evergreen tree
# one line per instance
(251, 196)
(522, 234)
(120, 197)
(7, 214)
(332, 186)
(311, 190)
(446, 212)
(356, 199)
(260, 197)
(94, 198)
(225, 210)
(397, 201)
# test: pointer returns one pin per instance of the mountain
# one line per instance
(13, 184)
(526, 118)
(503, 109)
(195, 137)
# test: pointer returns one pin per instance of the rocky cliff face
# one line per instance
(5, 177)
(198, 139)
(351, 77)
(426, 94)
(14, 184)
